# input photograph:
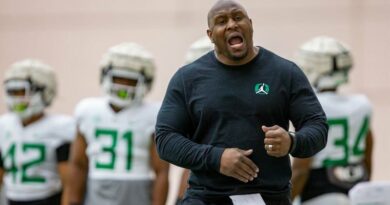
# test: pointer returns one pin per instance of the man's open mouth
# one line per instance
(235, 41)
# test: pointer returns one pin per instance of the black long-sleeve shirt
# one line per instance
(210, 106)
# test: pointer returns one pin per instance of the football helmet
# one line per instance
(127, 61)
(36, 84)
(198, 49)
(325, 61)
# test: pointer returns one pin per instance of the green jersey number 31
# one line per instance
(113, 134)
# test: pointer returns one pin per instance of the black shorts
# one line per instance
(188, 200)
(52, 200)
(318, 184)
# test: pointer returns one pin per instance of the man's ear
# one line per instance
(209, 34)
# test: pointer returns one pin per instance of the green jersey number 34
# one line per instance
(342, 141)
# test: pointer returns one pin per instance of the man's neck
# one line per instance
(116, 109)
(32, 119)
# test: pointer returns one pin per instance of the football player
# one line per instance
(196, 50)
(114, 159)
(327, 177)
(34, 145)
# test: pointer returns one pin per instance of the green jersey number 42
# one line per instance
(22, 171)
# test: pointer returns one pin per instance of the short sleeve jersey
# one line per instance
(348, 119)
(118, 143)
(29, 155)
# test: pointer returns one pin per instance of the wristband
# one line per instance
(293, 141)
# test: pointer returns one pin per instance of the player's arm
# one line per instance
(368, 152)
(63, 170)
(78, 170)
(300, 174)
(160, 185)
(183, 183)
(62, 153)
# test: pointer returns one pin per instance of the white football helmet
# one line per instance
(325, 61)
(37, 82)
(129, 61)
(198, 49)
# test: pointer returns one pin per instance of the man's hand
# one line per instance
(277, 141)
(235, 163)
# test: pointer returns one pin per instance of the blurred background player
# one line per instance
(196, 50)
(346, 160)
(114, 148)
(34, 145)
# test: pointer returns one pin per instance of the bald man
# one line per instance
(215, 120)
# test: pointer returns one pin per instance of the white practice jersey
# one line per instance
(118, 143)
(349, 122)
(29, 155)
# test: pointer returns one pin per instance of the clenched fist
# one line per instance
(277, 141)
